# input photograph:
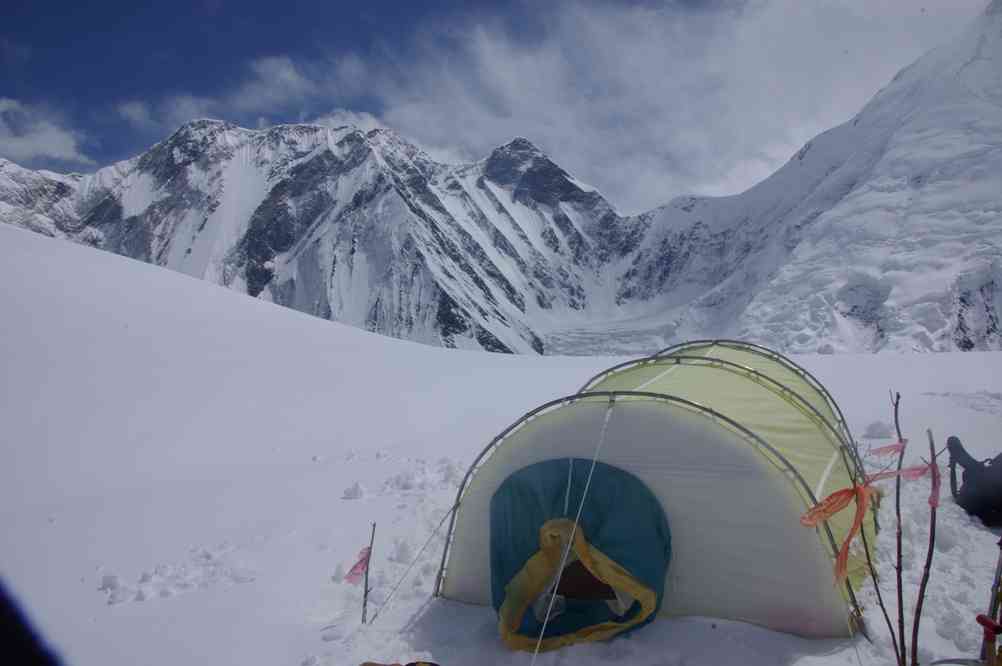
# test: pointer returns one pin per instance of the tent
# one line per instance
(671, 485)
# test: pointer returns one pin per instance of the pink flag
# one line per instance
(934, 493)
(896, 447)
(358, 571)
(908, 473)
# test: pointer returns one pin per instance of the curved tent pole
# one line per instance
(770, 353)
(739, 344)
(670, 352)
(766, 352)
(611, 395)
(469, 472)
(755, 375)
(747, 346)
(762, 350)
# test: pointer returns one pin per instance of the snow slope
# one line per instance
(884, 233)
(182, 475)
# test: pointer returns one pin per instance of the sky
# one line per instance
(644, 100)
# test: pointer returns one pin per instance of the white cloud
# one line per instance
(179, 109)
(169, 113)
(650, 102)
(342, 117)
(276, 83)
(137, 114)
(30, 133)
(645, 102)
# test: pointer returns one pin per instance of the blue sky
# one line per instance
(645, 100)
(85, 59)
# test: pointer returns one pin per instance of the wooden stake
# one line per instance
(365, 582)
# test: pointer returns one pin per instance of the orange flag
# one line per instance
(862, 494)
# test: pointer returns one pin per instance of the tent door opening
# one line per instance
(613, 578)
(577, 584)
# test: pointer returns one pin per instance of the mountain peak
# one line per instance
(520, 147)
(515, 157)
(204, 125)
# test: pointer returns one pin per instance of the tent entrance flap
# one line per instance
(613, 580)
(578, 583)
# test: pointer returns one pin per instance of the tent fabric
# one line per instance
(778, 409)
(735, 443)
(622, 539)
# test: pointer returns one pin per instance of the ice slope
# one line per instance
(182, 474)
(920, 232)
(884, 233)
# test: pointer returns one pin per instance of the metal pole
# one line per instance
(365, 583)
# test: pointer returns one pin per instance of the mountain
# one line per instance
(884, 233)
(359, 227)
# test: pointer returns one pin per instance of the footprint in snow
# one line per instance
(979, 401)
(203, 569)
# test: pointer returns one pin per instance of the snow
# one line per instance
(185, 479)
(138, 193)
(243, 185)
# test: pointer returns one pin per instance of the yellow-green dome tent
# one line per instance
(733, 440)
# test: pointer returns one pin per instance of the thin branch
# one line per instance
(880, 597)
(876, 581)
(884, 468)
(903, 656)
(933, 502)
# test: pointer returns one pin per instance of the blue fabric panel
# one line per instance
(621, 517)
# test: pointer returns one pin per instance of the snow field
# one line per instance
(184, 477)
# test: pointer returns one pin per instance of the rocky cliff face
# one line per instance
(882, 233)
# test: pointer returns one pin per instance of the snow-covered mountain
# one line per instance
(358, 227)
(882, 233)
